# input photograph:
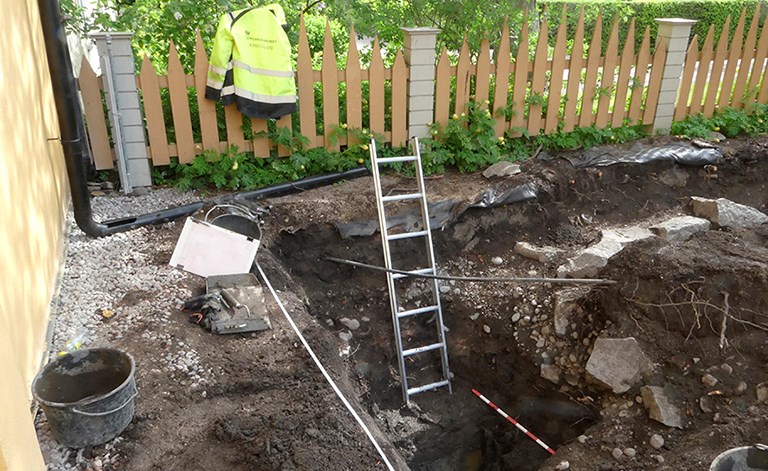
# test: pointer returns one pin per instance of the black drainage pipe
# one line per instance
(72, 134)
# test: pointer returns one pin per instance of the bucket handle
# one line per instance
(101, 414)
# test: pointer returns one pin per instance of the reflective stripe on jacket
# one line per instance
(250, 64)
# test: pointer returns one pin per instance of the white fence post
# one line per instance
(119, 75)
(419, 53)
(676, 32)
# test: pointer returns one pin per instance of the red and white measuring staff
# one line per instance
(514, 422)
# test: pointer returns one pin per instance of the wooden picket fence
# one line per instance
(728, 75)
(593, 84)
(601, 90)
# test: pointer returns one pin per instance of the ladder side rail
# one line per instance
(388, 264)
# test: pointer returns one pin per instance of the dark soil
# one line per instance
(267, 406)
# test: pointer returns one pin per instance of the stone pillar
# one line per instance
(119, 77)
(419, 51)
(676, 32)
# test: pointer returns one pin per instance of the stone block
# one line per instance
(541, 254)
(566, 308)
(660, 407)
(617, 364)
(680, 228)
(726, 213)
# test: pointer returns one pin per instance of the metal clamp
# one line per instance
(102, 414)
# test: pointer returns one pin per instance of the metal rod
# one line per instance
(502, 279)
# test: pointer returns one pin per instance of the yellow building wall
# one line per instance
(33, 199)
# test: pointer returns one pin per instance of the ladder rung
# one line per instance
(425, 348)
(427, 387)
(389, 160)
(422, 271)
(406, 235)
(413, 312)
(409, 196)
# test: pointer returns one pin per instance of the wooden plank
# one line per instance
(284, 122)
(757, 69)
(353, 79)
(734, 53)
(209, 129)
(517, 120)
(538, 80)
(623, 85)
(306, 90)
(594, 56)
(654, 84)
(556, 79)
(462, 79)
(717, 70)
(502, 79)
(330, 89)
(638, 79)
(746, 61)
(260, 144)
(182, 123)
(574, 76)
(691, 57)
(376, 90)
(234, 123)
(609, 72)
(483, 73)
(101, 151)
(399, 100)
(153, 112)
(702, 73)
(443, 88)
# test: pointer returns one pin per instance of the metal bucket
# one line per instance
(87, 396)
(744, 458)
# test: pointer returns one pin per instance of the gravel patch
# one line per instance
(100, 274)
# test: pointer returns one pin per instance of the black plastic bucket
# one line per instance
(87, 396)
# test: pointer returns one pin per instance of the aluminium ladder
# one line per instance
(433, 308)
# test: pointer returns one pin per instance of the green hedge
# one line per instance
(706, 13)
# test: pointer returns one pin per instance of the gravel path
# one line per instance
(97, 275)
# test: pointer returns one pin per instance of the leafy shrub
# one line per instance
(728, 121)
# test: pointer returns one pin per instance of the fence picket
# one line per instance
(209, 129)
(285, 123)
(717, 69)
(462, 79)
(609, 72)
(638, 79)
(746, 60)
(757, 68)
(182, 123)
(517, 121)
(330, 76)
(691, 57)
(483, 74)
(574, 75)
(376, 87)
(502, 79)
(622, 83)
(353, 79)
(443, 88)
(260, 141)
(93, 108)
(587, 115)
(234, 123)
(538, 80)
(556, 79)
(654, 84)
(399, 100)
(702, 72)
(306, 88)
(733, 56)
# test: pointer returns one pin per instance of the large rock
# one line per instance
(617, 364)
(551, 373)
(660, 408)
(726, 213)
(567, 302)
(680, 228)
(589, 261)
(501, 169)
(541, 254)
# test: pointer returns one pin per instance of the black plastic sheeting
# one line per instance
(441, 213)
(683, 154)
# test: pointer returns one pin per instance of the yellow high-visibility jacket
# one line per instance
(251, 63)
